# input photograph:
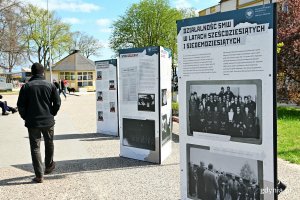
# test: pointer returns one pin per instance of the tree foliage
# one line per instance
(87, 44)
(147, 23)
(246, 172)
(12, 26)
(37, 35)
(288, 82)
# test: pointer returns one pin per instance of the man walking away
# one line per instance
(38, 103)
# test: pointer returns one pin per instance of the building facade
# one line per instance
(227, 5)
(79, 71)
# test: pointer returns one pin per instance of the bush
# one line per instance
(175, 108)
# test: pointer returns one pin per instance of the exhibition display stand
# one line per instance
(227, 95)
(107, 97)
(145, 113)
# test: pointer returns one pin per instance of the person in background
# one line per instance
(5, 108)
(62, 88)
(56, 85)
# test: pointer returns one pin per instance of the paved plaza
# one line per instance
(88, 164)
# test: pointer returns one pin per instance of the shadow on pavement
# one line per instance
(25, 180)
(77, 95)
(86, 136)
(175, 137)
(88, 165)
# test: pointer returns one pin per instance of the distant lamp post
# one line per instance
(49, 43)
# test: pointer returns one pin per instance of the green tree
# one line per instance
(246, 172)
(36, 35)
(148, 23)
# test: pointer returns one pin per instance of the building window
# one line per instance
(67, 76)
(85, 79)
(62, 75)
(79, 76)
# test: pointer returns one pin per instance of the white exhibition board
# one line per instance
(107, 97)
(165, 102)
(141, 110)
(227, 77)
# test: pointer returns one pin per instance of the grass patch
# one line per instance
(175, 108)
(288, 139)
(8, 92)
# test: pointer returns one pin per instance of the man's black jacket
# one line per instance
(38, 102)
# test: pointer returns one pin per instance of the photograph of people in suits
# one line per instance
(231, 112)
(165, 128)
(146, 102)
(99, 75)
(99, 96)
(100, 115)
(213, 176)
(112, 85)
(112, 107)
(164, 97)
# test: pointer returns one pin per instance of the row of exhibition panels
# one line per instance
(133, 101)
(229, 155)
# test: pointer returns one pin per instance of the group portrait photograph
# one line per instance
(230, 108)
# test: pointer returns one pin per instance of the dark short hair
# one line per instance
(210, 166)
(37, 68)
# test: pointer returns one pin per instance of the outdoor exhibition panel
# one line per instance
(227, 95)
(145, 103)
(107, 97)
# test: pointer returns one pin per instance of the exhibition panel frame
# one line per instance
(145, 112)
(107, 97)
(227, 87)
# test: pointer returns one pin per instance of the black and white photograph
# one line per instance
(139, 133)
(214, 176)
(99, 75)
(164, 97)
(146, 102)
(165, 129)
(99, 96)
(112, 85)
(230, 108)
(112, 107)
(100, 115)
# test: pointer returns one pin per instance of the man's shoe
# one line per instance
(13, 110)
(50, 169)
(6, 113)
(38, 179)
